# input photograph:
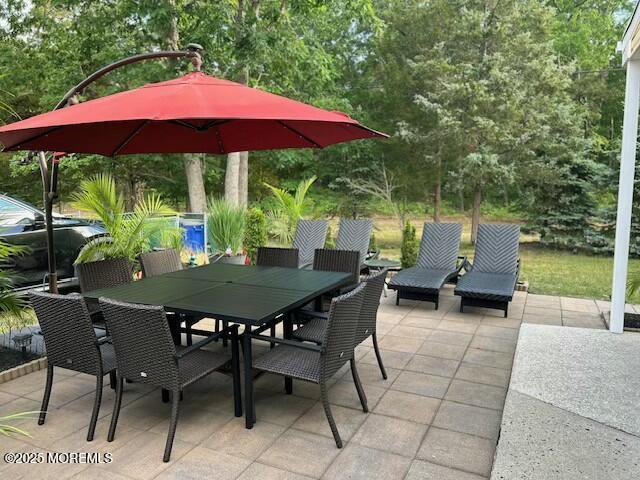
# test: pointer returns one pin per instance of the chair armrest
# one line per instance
(206, 341)
(103, 340)
(291, 343)
(305, 266)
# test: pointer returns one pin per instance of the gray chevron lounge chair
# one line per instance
(437, 264)
(310, 235)
(355, 235)
(492, 278)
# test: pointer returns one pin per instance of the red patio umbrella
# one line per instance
(195, 113)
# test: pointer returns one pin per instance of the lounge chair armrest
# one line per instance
(462, 262)
(103, 340)
(305, 266)
(291, 343)
(206, 341)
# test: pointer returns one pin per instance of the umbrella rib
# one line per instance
(35, 137)
(219, 139)
(129, 138)
(212, 123)
(302, 135)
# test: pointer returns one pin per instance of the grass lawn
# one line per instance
(549, 272)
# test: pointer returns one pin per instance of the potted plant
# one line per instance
(129, 234)
(226, 225)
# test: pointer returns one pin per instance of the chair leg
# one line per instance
(359, 389)
(96, 407)
(273, 334)
(116, 409)
(187, 324)
(165, 395)
(327, 412)
(173, 423)
(225, 326)
(374, 337)
(112, 379)
(398, 298)
(235, 371)
(506, 310)
(47, 395)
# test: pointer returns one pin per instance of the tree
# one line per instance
(484, 86)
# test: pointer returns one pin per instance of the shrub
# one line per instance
(225, 225)
(373, 243)
(255, 234)
(409, 248)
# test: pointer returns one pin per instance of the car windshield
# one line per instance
(10, 208)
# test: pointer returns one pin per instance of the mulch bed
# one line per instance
(631, 320)
(12, 358)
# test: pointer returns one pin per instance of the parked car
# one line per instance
(23, 224)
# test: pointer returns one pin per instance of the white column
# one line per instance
(625, 196)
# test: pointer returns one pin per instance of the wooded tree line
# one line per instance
(515, 104)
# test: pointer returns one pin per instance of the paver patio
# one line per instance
(436, 417)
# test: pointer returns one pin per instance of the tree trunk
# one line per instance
(461, 197)
(475, 217)
(437, 200)
(195, 183)
(192, 163)
(232, 178)
(243, 180)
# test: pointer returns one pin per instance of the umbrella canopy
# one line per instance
(195, 113)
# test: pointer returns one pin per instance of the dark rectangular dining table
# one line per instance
(254, 296)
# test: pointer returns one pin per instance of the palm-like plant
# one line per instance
(129, 233)
(10, 303)
(633, 283)
(284, 218)
(225, 225)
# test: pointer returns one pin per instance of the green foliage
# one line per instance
(373, 243)
(129, 233)
(11, 305)
(226, 226)
(8, 430)
(409, 247)
(289, 209)
(255, 234)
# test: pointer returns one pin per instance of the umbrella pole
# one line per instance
(50, 178)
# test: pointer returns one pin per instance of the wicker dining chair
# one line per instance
(314, 329)
(318, 363)
(310, 235)
(159, 262)
(105, 273)
(277, 257)
(355, 235)
(330, 260)
(72, 344)
(145, 353)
